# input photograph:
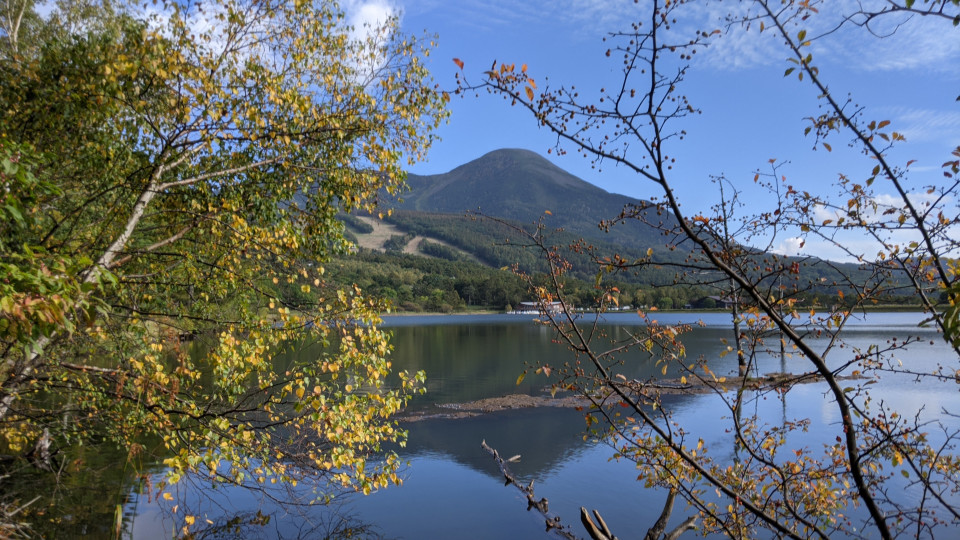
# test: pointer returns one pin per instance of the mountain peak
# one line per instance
(520, 185)
(520, 162)
(508, 173)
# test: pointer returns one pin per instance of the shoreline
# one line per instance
(767, 382)
(893, 308)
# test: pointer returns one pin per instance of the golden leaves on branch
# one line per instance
(215, 136)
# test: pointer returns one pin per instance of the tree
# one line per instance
(901, 471)
(167, 174)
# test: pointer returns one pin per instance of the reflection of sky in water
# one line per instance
(453, 489)
(712, 319)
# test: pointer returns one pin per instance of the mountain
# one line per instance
(429, 252)
(521, 185)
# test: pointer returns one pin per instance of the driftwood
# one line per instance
(600, 530)
(551, 521)
(597, 530)
(660, 526)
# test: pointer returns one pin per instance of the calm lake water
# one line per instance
(453, 489)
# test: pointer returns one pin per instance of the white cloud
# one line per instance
(367, 16)
(371, 24)
(861, 243)
(368, 21)
(853, 247)
(884, 202)
(207, 22)
(790, 247)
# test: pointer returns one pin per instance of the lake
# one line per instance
(453, 489)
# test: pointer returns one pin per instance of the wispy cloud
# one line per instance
(599, 17)
(480, 15)
(898, 42)
(925, 125)
(890, 43)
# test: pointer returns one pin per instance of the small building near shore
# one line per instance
(536, 308)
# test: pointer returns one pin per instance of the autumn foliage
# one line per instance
(167, 173)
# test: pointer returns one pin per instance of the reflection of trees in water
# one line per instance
(255, 525)
(80, 493)
(90, 493)
(200, 510)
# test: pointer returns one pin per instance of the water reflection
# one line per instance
(453, 489)
(544, 437)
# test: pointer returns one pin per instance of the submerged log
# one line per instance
(598, 530)
(541, 505)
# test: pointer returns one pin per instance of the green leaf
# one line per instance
(13, 211)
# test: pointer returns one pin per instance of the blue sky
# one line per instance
(750, 111)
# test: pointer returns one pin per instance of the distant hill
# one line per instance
(521, 185)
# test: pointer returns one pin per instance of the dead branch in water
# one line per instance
(597, 530)
(552, 521)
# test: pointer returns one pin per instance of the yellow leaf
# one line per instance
(529, 93)
(167, 497)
